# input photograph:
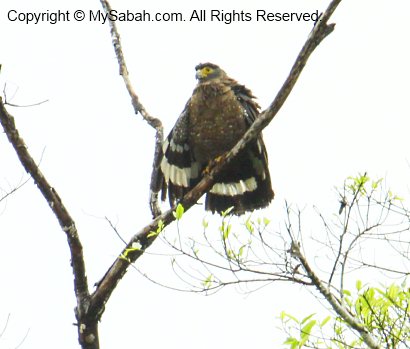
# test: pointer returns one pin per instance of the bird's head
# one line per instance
(208, 71)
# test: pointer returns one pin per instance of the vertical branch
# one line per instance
(139, 108)
(348, 213)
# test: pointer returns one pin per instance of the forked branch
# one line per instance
(91, 307)
(139, 242)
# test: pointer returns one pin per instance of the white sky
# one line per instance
(348, 113)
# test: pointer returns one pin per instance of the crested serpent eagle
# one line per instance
(213, 120)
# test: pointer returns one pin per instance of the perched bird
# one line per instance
(213, 120)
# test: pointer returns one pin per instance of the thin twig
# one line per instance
(5, 326)
(23, 340)
(345, 229)
(25, 105)
(7, 194)
(115, 230)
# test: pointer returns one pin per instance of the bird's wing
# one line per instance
(251, 111)
(178, 166)
(247, 100)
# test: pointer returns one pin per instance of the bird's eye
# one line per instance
(208, 70)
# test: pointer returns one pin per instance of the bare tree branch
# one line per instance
(67, 224)
(336, 305)
(139, 108)
(320, 31)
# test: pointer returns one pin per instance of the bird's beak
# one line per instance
(199, 74)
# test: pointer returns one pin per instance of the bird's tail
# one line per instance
(245, 184)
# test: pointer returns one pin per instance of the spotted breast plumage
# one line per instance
(215, 117)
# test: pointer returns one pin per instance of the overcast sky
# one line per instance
(348, 113)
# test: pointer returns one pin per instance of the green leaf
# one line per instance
(124, 257)
(393, 292)
(325, 321)
(338, 330)
(151, 234)
(227, 211)
(226, 229)
(358, 285)
(205, 223)
(286, 315)
(135, 246)
(292, 341)
(249, 225)
(231, 254)
(160, 228)
(375, 184)
(357, 184)
(179, 211)
(207, 283)
(305, 331)
(307, 318)
(347, 293)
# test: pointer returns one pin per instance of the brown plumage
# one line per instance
(214, 119)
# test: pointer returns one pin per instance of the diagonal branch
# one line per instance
(50, 194)
(144, 238)
(319, 32)
(67, 224)
(330, 298)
